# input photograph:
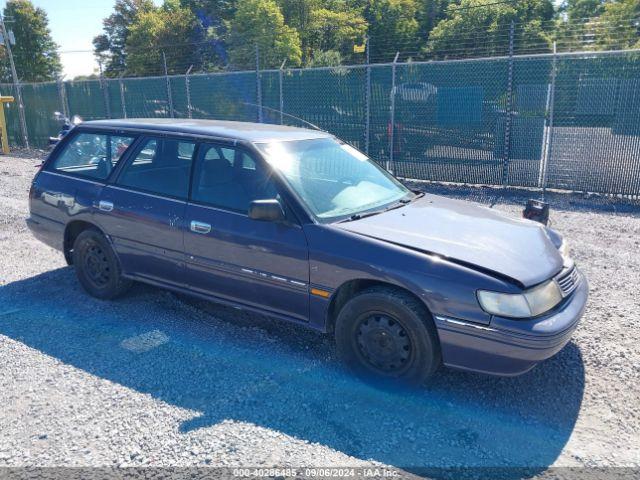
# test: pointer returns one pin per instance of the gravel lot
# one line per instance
(154, 380)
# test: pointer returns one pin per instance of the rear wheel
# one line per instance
(386, 333)
(97, 267)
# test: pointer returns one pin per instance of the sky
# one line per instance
(73, 25)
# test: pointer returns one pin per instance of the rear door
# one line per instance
(231, 256)
(67, 187)
(143, 210)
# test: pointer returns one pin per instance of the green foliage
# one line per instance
(109, 46)
(622, 17)
(334, 30)
(475, 24)
(330, 58)
(392, 26)
(216, 34)
(161, 30)
(429, 13)
(35, 53)
(580, 10)
(261, 23)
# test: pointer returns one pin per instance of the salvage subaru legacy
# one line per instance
(298, 225)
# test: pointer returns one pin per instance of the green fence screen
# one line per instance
(567, 121)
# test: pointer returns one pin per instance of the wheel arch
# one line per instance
(352, 287)
(71, 232)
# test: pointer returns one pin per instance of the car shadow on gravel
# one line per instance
(223, 364)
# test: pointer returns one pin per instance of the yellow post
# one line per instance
(4, 137)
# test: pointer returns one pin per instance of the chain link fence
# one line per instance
(565, 121)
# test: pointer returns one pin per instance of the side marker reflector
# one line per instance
(320, 293)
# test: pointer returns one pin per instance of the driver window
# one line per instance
(230, 178)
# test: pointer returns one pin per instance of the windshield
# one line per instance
(334, 179)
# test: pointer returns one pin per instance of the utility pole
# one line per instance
(16, 83)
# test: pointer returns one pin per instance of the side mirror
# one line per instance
(266, 210)
(537, 211)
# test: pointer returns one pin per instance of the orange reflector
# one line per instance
(320, 293)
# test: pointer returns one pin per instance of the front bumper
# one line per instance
(511, 347)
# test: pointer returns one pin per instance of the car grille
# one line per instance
(568, 281)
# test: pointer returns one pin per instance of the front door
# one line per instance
(229, 255)
(143, 211)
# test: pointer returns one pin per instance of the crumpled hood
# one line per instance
(464, 232)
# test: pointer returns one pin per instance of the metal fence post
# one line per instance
(281, 81)
(122, 100)
(547, 147)
(392, 114)
(367, 114)
(63, 98)
(258, 85)
(187, 86)
(166, 76)
(105, 92)
(22, 115)
(508, 118)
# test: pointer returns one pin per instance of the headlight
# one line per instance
(531, 303)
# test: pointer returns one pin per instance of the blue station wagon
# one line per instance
(300, 226)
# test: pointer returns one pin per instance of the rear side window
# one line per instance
(91, 154)
(160, 165)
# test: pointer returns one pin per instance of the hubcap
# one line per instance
(384, 344)
(97, 265)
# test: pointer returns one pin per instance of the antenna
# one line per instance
(315, 127)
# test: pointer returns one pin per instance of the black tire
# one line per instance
(385, 333)
(97, 266)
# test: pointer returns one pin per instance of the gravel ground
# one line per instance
(152, 379)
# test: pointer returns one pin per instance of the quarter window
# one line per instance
(160, 165)
(230, 178)
(91, 154)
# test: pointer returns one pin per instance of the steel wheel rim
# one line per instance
(97, 265)
(383, 344)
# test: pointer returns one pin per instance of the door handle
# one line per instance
(200, 227)
(105, 206)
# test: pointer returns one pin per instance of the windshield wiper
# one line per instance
(393, 206)
(358, 216)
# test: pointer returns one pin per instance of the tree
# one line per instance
(579, 11)
(392, 27)
(331, 30)
(35, 53)
(109, 47)
(475, 26)
(330, 58)
(325, 26)
(261, 23)
(212, 33)
(618, 26)
(167, 29)
(429, 13)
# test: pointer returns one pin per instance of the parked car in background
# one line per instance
(296, 224)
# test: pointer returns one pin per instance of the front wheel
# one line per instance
(97, 267)
(386, 333)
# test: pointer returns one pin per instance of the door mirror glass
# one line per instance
(266, 210)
